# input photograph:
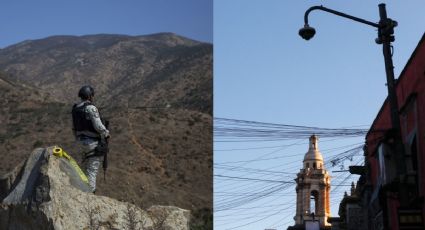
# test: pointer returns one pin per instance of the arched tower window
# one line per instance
(314, 165)
(314, 199)
(307, 165)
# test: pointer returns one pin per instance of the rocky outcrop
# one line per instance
(49, 194)
(7, 181)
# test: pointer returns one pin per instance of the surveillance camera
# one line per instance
(307, 32)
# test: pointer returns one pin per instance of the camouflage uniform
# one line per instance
(89, 140)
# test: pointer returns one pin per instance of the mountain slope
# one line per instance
(158, 155)
(117, 65)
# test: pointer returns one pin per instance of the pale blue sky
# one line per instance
(263, 71)
(27, 19)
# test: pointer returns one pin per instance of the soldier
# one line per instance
(90, 132)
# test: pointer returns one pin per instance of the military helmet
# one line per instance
(86, 92)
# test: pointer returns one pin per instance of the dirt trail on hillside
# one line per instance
(146, 153)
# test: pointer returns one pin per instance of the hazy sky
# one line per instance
(28, 19)
(263, 71)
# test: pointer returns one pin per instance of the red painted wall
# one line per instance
(411, 81)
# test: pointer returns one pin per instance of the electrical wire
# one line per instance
(250, 193)
(233, 130)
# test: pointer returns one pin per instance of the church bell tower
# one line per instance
(313, 187)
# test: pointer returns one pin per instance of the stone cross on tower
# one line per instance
(313, 187)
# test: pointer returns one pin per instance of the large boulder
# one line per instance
(48, 193)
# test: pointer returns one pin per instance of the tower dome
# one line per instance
(313, 157)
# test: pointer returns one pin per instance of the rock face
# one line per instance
(49, 194)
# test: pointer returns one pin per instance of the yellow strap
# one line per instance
(58, 151)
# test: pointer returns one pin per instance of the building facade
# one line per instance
(390, 198)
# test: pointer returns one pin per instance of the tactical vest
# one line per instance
(81, 120)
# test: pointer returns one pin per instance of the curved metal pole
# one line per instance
(385, 37)
(339, 14)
